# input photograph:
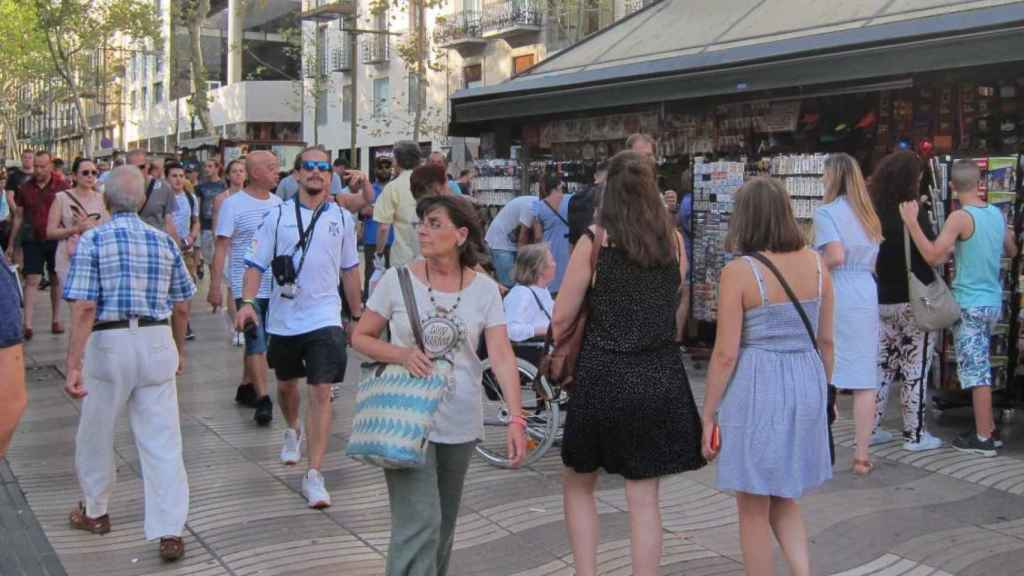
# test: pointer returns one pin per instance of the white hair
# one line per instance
(125, 190)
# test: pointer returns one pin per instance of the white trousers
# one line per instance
(133, 367)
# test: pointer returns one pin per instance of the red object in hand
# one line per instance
(716, 438)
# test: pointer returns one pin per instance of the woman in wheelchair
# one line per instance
(528, 305)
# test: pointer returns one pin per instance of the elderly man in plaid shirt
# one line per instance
(124, 280)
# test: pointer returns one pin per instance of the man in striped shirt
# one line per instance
(125, 282)
(239, 217)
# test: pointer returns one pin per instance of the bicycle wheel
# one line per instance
(541, 416)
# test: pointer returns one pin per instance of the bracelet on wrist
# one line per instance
(249, 301)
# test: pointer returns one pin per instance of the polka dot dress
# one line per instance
(632, 412)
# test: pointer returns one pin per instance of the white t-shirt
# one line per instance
(518, 212)
(183, 215)
(460, 416)
(332, 250)
(526, 312)
(240, 216)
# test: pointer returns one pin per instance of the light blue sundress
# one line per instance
(856, 318)
(773, 420)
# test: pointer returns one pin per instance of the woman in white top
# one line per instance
(236, 177)
(528, 305)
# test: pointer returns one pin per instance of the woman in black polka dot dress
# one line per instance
(632, 412)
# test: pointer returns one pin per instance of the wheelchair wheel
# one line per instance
(541, 413)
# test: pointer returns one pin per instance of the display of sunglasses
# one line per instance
(311, 165)
(89, 173)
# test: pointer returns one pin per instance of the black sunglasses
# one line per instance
(89, 173)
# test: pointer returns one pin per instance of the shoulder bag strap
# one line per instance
(539, 303)
(906, 253)
(556, 212)
(149, 192)
(789, 292)
(405, 281)
(75, 200)
(595, 251)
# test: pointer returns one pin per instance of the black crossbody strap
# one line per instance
(539, 305)
(789, 292)
(557, 213)
(409, 297)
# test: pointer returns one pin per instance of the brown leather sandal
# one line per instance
(80, 521)
(172, 548)
(862, 467)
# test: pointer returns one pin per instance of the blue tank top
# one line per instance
(977, 260)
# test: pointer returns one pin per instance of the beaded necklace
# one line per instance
(430, 291)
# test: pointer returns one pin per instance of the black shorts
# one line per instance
(319, 356)
(37, 254)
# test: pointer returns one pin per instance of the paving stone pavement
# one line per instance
(938, 513)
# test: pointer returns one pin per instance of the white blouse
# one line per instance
(524, 315)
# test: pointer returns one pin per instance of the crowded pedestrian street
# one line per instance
(935, 513)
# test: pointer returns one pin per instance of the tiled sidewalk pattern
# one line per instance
(933, 514)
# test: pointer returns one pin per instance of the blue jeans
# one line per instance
(256, 343)
(504, 262)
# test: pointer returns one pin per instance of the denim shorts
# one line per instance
(972, 336)
(257, 343)
(504, 262)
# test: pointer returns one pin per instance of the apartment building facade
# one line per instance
(470, 43)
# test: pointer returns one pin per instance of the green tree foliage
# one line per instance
(74, 31)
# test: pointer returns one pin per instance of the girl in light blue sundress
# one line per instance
(773, 417)
(847, 232)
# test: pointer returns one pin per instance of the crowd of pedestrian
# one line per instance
(129, 248)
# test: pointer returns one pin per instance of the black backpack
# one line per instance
(581, 212)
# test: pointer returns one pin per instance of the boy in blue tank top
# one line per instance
(978, 235)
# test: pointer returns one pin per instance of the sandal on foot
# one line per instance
(862, 467)
(81, 521)
(172, 548)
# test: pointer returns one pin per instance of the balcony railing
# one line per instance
(507, 17)
(376, 50)
(459, 28)
(341, 59)
(638, 5)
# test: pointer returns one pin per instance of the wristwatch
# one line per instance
(249, 301)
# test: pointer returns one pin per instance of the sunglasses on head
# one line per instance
(311, 165)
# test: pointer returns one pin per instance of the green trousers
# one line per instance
(424, 507)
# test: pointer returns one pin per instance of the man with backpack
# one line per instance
(159, 205)
(186, 223)
(550, 215)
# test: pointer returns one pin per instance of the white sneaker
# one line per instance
(314, 491)
(238, 339)
(291, 452)
(928, 442)
(880, 437)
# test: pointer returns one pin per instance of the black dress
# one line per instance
(632, 410)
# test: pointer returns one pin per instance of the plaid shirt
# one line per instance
(129, 269)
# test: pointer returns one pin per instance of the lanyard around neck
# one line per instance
(305, 236)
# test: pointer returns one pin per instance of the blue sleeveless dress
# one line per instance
(773, 419)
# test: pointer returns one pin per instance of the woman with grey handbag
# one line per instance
(456, 306)
(905, 350)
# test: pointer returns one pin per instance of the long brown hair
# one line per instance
(846, 179)
(763, 220)
(633, 214)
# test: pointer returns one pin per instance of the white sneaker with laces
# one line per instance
(238, 339)
(880, 437)
(291, 452)
(928, 442)
(314, 491)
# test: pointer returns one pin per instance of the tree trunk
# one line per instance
(420, 67)
(200, 95)
(63, 65)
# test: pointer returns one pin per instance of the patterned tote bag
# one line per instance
(395, 410)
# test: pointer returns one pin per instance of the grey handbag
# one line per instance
(933, 304)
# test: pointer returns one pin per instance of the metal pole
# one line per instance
(353, 101)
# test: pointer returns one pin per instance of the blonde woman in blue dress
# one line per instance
(847, 233)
